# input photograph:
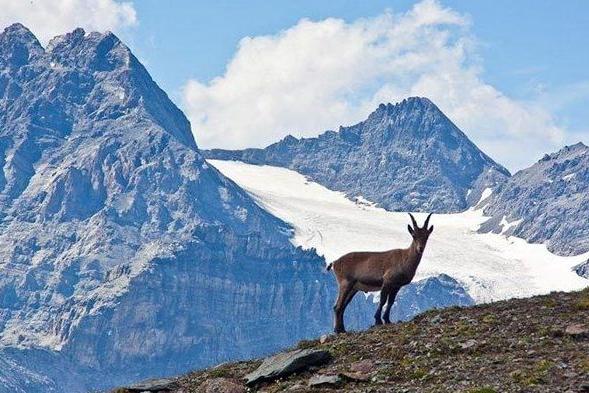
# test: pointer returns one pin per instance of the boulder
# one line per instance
(284, 364)
(154, 385)
(323, 380)
(577, 330)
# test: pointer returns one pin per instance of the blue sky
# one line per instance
(524, 44)
(513, 75)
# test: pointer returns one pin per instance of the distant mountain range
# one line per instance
(411, 157)
(404, 157)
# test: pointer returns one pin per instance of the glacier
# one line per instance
(489, 266)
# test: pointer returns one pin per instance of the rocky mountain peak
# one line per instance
(18, 46)
(420, 105)
(110, 217)
(408, 157)
(98, 51)
(82, 77)
(569, 151)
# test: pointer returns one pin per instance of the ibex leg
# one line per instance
(390, 300)
(344, 290)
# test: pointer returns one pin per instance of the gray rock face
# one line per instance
(546, 203)
(119, 246)
(287, 363)
(405, 157)
(221, 385)
(583, 270)
(324, 380)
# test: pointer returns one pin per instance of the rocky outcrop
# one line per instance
(405, 157)
(546, 203)
(287, 363)
(583, 269)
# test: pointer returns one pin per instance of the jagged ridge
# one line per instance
(405, 157)
(546, 203)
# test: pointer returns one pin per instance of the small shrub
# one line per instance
(418, 373)
(218, 373)
(582, 303)
(535, 376)
(489, 319)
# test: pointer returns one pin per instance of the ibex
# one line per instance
(386, 271)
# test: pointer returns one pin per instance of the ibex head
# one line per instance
(420, 235)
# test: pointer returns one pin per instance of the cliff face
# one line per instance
(405, 157)
(545, 203)
(120, 247)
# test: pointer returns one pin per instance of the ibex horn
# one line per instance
(415, 226)
(427, 221)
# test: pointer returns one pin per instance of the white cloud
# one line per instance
(318, 75)
(48, 18)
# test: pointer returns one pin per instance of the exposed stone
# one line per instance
(221, 385)
(154, 385)
(468, 344)
(577, 330)
(546, 203)
(355, 376)
(287, 363)
(322, 380)
(583, 269)
(363, 366)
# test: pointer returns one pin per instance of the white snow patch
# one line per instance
(485, 194)
(361, 201)
(491, 266)
(241, 213)
(505, 225)
(568, 177)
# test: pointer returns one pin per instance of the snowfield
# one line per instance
(490, 266)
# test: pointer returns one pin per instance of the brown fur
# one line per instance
(385, 271)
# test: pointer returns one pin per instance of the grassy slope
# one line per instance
(518, 345)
